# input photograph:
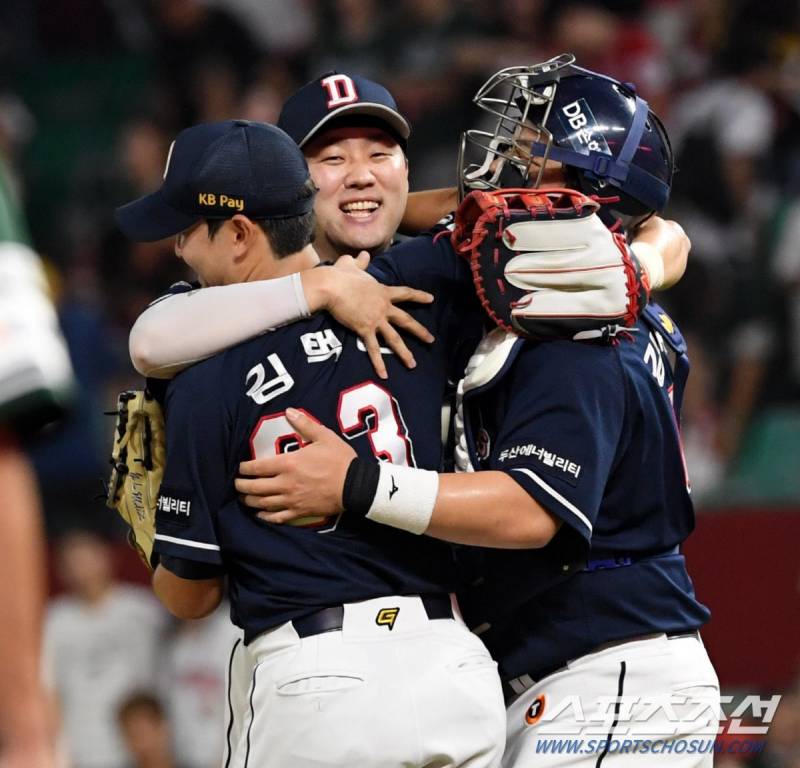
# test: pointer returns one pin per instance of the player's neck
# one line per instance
(325, 248)
(271, 267)
(328, 252)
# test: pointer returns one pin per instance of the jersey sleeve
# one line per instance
(425, 262)
(186, 326)
(36, 378)
(429, 263)
(197, 478)
(563, 420)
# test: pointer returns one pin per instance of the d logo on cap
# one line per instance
(341, 90)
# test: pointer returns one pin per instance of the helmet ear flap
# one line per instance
(668, 154)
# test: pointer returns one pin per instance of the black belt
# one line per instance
(520, 684)
(623, 561)
(332, 619)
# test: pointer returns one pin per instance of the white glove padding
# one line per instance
(545, 265)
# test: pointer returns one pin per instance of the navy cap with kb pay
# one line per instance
(216, 170)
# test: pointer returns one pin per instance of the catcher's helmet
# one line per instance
(607, 138)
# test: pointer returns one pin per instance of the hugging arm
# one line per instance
(181, 329)
(661, 240)
(184, 328)
(563, 395)
(487, 508)
(426, 208)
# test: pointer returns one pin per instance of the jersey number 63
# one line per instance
(366, 409)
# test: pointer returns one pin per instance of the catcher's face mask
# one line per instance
(598, 129)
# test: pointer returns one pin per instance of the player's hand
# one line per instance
(359, 302)
(672, 244)
(301, 484)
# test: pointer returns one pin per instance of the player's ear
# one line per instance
(244, 233)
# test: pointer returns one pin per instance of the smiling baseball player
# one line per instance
(340, 618)
(598, 606)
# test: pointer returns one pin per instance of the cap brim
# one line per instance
(151, 218)
(393, 119)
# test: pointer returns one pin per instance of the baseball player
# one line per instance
(339, 618)
(35, 386)
(358, 119)
(588, 435)
(338, 133)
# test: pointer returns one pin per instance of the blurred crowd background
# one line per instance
(91, 94)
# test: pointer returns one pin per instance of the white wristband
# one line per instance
(651, 260)
(405, 498)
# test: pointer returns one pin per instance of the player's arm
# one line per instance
(425, 208)
(184, 328)
(188, 578)
(564, 408)
(656, 239)
(487, 508)
(663, 249)
(24, 731)
(187, 598)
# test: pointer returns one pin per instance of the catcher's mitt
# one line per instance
(137, 466)
(545, 266)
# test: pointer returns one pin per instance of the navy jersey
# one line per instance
(231, 408)
(591, 432)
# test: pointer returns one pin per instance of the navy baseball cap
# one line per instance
(216, 170)
(336, 95)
